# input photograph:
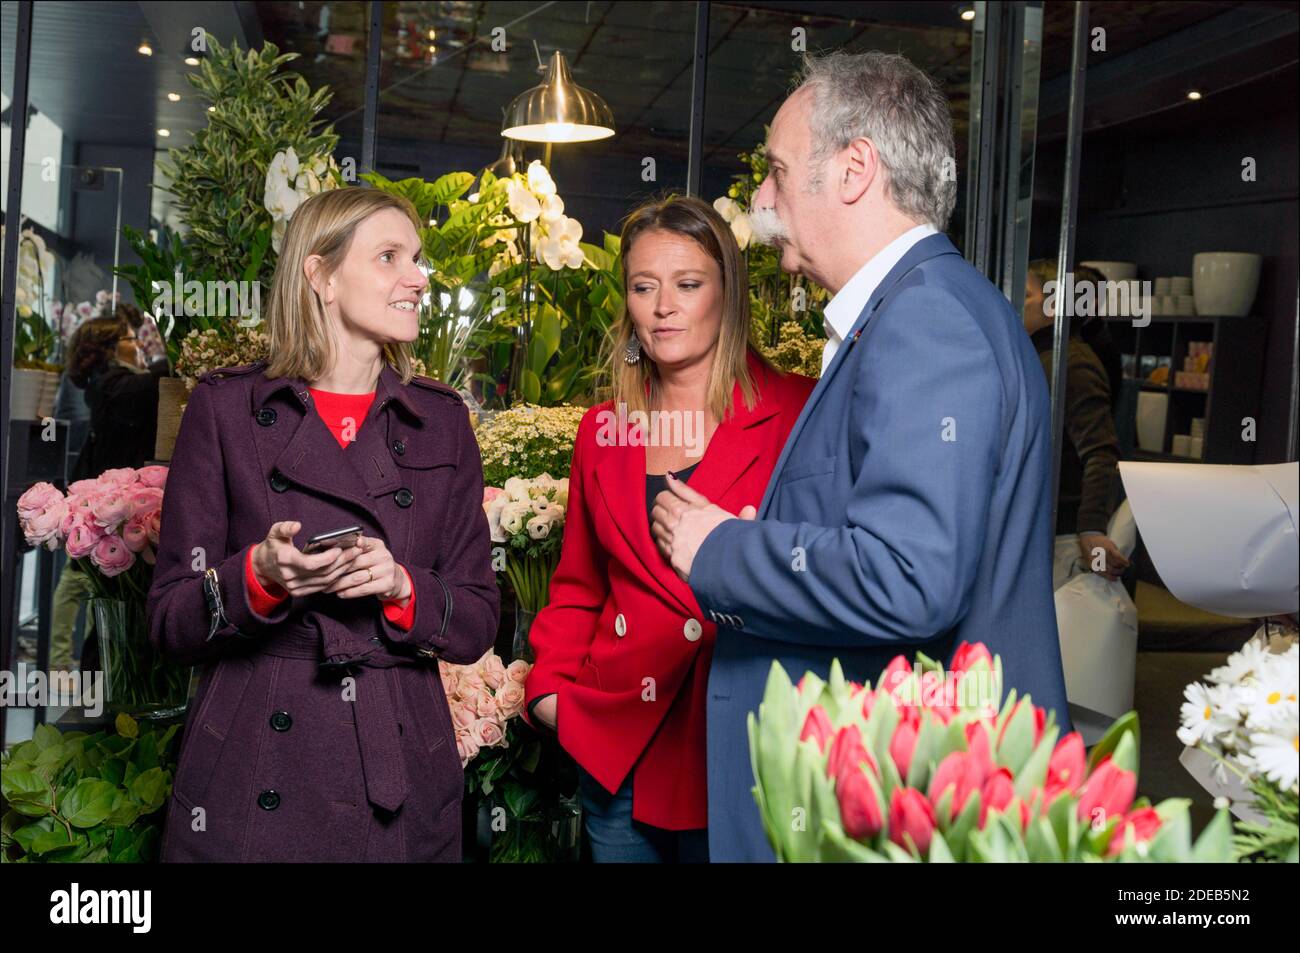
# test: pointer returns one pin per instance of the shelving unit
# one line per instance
(1235, 380)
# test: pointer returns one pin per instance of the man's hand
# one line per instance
(680, 521)
(1113, 563)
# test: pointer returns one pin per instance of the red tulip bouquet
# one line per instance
(928, 766)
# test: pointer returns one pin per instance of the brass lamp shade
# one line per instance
(558, 110)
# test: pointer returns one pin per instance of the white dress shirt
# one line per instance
(843, 309)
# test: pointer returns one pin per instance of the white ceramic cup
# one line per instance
(1182, 445)
(1180, 285)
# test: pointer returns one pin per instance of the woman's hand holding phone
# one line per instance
(373, 573)
(277, 561)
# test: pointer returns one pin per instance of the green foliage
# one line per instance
(219, 181)
(775, 298)
(1277, 840)
(569, 311)
(75, 797)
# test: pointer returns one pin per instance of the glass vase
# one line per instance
(519, 646)
(137, 679)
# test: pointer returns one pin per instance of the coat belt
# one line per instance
(374, 714)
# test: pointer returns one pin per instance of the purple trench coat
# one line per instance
(320, 733)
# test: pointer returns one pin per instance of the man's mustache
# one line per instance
(767, 226)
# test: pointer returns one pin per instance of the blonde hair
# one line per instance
(300, 343)
(637, 385)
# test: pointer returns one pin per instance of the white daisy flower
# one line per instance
(1277, 756)
(1203, 714)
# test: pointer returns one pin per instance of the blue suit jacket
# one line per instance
(910, 510)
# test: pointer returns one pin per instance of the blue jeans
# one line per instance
(616, 838)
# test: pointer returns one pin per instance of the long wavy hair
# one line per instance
(300, 343)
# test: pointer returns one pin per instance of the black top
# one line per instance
(123, 406)
(656, 483)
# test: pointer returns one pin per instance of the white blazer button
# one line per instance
(620, 625)
(692, 630)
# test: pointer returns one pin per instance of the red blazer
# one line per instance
(622, 642)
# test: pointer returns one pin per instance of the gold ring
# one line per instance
(372, 575)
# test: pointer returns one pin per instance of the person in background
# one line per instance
(1090, 452)
(107, 365)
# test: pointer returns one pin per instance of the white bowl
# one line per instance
(1114, 270)
(1225, 282)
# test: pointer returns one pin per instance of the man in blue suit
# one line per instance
(910, 509)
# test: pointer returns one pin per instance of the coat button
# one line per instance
(620, 625)
(281, 721)
(692, 630)
(399, 447)
(268, 800)
(279, 482)
(404, 497)
(266, 416)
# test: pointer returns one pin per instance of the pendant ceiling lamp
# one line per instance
(558, 110)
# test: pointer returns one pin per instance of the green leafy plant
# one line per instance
(86, 798)
(1278, 839)
(219, 181)
(541, 345)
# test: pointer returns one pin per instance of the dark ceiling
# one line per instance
(637, 56)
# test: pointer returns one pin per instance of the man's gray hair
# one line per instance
(883, 97)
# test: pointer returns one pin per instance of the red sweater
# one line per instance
(343, 414)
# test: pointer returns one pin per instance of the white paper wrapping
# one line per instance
(1223, 538)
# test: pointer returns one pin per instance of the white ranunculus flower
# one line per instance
(522, 203)
(516, 489)
(513, 515)
(494, 511)
(539, 527)
(540, 182)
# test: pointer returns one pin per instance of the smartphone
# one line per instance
(334, 539)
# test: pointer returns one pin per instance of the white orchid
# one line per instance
(552, 208)
(523, 204)
(540, 182)
(558, 248)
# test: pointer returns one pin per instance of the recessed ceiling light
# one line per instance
(433, 34)
(967, 14)
(174, 97)
(212, 109)
(1193, 94)
(191, 61)
(144, 49)
(164, 133)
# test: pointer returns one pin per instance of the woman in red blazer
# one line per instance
(623, 649)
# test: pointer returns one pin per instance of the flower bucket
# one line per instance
(137, 680)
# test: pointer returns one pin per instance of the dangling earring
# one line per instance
(633, 352)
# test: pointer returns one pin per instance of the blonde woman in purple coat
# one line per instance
(320, 731)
